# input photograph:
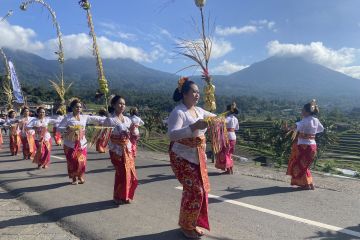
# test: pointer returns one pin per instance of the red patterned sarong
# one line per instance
(224, 159)
(14, 140)
(134, 140)
(301, 158)
(194, 178)
(57, 136)
(101, 145)
(76, 160)
(43, 151)
(125, 174)
(28, 146)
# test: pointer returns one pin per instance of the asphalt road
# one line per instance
(241, 207)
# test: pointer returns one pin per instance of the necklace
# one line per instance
(120, 118)
(193, 113)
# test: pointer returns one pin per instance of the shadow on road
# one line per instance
(236, 193)
(17, 170)
(32, 176)
(153, 166)
(56, 214)
(13, 160)
(100, 170)
(156, 178)
(174, 234)
(328, 235)
(20, 191)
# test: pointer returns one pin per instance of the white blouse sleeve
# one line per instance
(298, 126)
(31, 123)
(107, 122)
(141, 122)
(53, 120)
(236, 123)
(320, 128)
(63, 124)
(176, 130)
(95, 119)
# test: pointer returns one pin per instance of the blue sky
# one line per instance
(244, 31)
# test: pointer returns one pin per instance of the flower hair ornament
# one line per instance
(181, 82)
(233, 107)
(313, 105)
(110, 99)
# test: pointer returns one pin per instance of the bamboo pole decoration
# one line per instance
(209, 89)
(104, 89)
(60, 87)
(199, 51)
(7, 80)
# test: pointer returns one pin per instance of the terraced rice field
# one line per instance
(344, 154)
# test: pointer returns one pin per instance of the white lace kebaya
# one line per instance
(70, 121)
(120, 128)
(309, 125)
(179, 123)
(232, 122)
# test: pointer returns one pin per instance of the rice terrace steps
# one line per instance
(345, 152)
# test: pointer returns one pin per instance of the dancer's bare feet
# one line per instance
(190, 234)
(81, 180)
(74, 182)
(199, 231)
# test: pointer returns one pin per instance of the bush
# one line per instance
(329, 166)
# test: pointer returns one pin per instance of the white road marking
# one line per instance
(284, 215)
(58, 157)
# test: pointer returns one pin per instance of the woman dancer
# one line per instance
(224, 159)
(56, 132)
(75, 143)
(186, 128)
(120, 152)
(135, 134)
(14, 133)
(27, 135)
(304, 150)
(43, 140)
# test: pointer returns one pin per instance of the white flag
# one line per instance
(15, 84)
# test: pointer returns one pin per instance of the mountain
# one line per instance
(121, 73)
(291, 78)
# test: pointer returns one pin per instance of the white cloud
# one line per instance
(265, 23)
(227, 67)
(166, 33)
(16, 37)
(220, 48)
(253, 28)
(80, 45)
(341, 60)
(352, 71)
(75, 45)
(315, 52)
(226, 31)
(113, 30)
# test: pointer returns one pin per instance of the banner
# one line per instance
(15, 84)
